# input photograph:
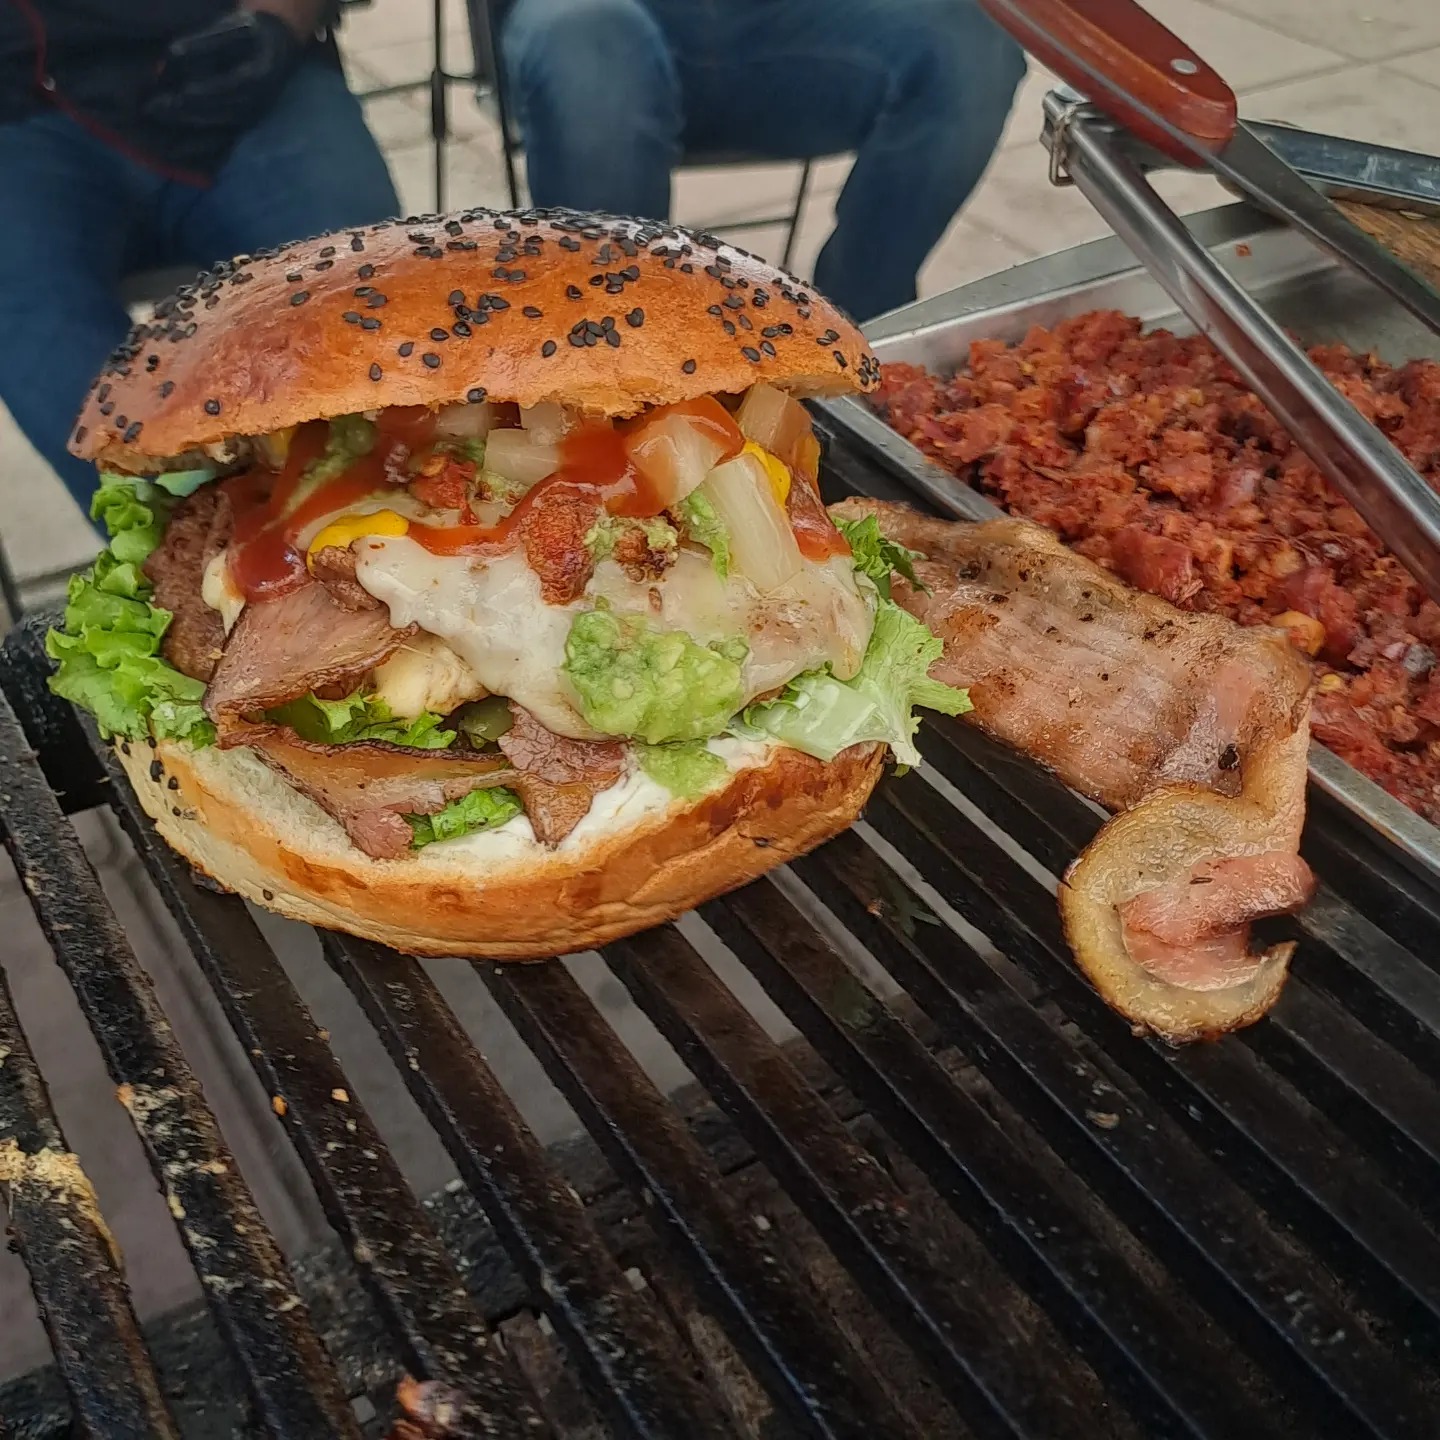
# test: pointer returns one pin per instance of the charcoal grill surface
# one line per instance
(966, 1202)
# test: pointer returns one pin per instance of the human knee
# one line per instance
(953, 52)
(563, 51)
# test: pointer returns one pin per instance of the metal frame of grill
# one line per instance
(978, 1207)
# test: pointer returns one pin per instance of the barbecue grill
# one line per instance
(964, 1200)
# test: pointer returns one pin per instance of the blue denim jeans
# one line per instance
(611, 93)
(77, 216)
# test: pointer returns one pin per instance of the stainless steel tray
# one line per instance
(1297, 284)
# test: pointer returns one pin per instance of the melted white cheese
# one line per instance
(426, 674)
(220, 592)
(492, 614)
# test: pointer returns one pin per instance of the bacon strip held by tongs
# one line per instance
(1193, 729)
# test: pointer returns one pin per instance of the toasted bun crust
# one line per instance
(318, 328)
(250, 831)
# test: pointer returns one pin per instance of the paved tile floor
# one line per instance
(1363, 68)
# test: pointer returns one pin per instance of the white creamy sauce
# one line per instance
(622, 806)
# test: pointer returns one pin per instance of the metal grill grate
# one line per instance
(967, 1203)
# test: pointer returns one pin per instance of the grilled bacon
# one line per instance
(1192, 727)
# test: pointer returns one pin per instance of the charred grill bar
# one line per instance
(967, 1202)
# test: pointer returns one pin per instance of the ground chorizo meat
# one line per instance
(1147, 453)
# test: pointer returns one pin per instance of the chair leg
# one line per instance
(800, 196)
(439, 105)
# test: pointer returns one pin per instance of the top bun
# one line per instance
(606, 314)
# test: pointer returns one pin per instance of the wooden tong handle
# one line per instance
(1125, 61)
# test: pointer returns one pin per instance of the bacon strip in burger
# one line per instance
(1191, 727)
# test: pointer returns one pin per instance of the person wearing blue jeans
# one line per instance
(610, 94)
(147, 134)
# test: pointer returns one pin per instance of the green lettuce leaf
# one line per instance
(360, 717)
(822, 715)
(349, 438)
(877, 557)
(107, 651)
(685, 768)
(656, 685)
(479, 810)
(704, 525)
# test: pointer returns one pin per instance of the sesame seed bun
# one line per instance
(604, 314)
(248, 830)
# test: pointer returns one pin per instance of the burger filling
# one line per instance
(434, 623)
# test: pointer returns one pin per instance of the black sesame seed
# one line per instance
(636, 317)
(533, 311)
(735, 302)
(132, 432)
(173, 783)
(299, 297)
(166, 386)
(597, 279)
(548, 348)
(152, 363)
(327, 252)
(103, 393)
(319, 265)
(156, 770)
(750, 353)
(407, 348)
(612, 339)
(438, 334)
(475, 396)
(375, 301)
(499, 302)
(840, 358)
(728, 327)
(351, 317)
(363, 290)
(212, 407)
(364, 272)
(356, 244)
(462, 329)
(770, 331)
(745, 322)
(457, 297)
(293, 276)
(370, 323)
(688, 367)
(121, 421)
(81, 431)
(376, 372)
(713, 310)
(573, 292)
(431, 359)
(577, 338)
(767, 347)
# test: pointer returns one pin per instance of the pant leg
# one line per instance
(309, 166)
(919, 89)
(70, 209)
(598, 103)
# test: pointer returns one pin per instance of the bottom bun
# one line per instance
(497, 894)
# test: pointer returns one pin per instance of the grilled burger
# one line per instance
(469, 586)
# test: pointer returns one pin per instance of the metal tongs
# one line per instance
(1134, 71)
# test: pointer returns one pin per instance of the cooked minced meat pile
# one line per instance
(1147, 453)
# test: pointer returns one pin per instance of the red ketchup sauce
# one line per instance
(595, 465)
(272, 509)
